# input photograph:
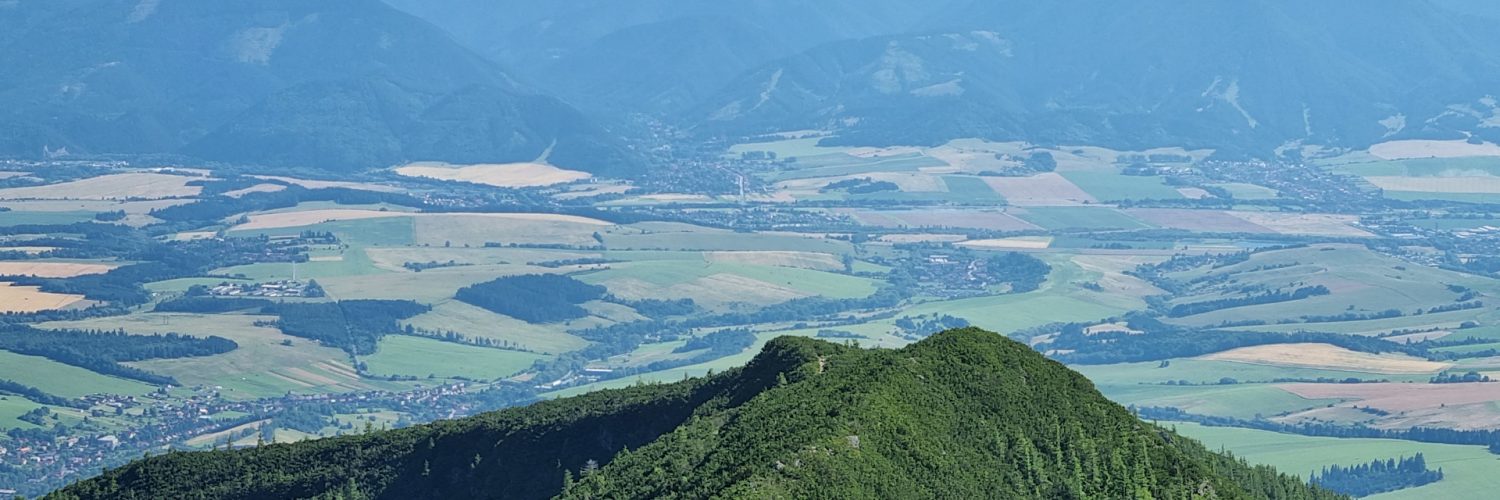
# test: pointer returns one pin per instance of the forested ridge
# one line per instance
(963, 414)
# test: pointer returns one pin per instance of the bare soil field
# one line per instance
(1049, 189)
(28, 299)
(1407, 150)
(51, 269)
(510, 175)
(1330, 357)
(1319, 224)
(805, 260)
(1462, 184)
(110, 187)
(1197, 220)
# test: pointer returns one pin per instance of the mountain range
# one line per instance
(349, 85)
(1246, 77)
(335, 85)
(962, 414)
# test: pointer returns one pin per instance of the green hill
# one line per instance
(964, 414)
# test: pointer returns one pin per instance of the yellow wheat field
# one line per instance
(28, 299)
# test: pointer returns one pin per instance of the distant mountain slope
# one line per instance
(335, 84)
(964, 414)
(656, 56)
(1254, 74)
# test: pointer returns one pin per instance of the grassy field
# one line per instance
(1092, 218)
(476, 322)
(1360, 280)
(17, 218)
(1109, 186)
(1238, 401)
(111, 187)
(1204, 371)
(403, 355)
(670, 236)
(1469, 471)
(720, 284)
(508, 175)
(970, 189)
(386, 231)
(65, 380)
(1425, 167)
(1241, 191)
(841, 164)
(261, 367)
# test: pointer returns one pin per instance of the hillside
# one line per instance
(339, 85)
(1245, 75)
(963, 414)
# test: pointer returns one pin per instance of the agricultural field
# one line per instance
(51, 269)
(1468, 471)
(23, 299)
(420, 357)
(721, 285)
(1359, 282)
(1112, 187)
(1075, 218)
(1042, 190)
(1328, 357)
(1462, 178)
(65, 380)
(135, 185)
(993, 220)
(512, 175)
(267, 362)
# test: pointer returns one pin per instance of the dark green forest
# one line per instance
(963, 414)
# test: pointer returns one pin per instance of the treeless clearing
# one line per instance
(311, 184)
(1049, 189)
(1024, 243)
(508, 175)
(1196, 220)
(1329, 357)
(1193, 193)
(911, 182)
(716, 291)
(1453, 406)
(1319, 224)
(28, 250)
(1407, 150)
(258, 188)
(51, 269)
(28, 299)
(479, 229)
(310, 217)
(805, 260)
(1462, 184)
(923, 238)
(111, 187)
(978, 219)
